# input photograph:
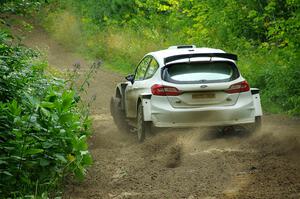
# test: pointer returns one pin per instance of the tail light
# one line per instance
(162, 90)
(238, 87)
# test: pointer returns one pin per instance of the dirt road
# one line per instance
(189, 163)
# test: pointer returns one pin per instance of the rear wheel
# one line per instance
(118, 114)
(258, 123)
(143, 127)
(256, 126)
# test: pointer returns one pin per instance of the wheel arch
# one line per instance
(120, 93)
(256, 101)
(145, 99)
(142, 97)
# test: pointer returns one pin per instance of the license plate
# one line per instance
(203, 96)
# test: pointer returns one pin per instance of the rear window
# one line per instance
(200, 72)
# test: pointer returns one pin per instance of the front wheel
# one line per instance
(118, 114)
(143, 127)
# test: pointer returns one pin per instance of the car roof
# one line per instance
(173, 50)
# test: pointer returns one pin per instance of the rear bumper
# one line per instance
(164, 115)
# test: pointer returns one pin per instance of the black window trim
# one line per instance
(148, 56)
(152, 58)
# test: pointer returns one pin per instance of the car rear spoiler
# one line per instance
(189, 56)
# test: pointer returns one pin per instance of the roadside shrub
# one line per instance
(43, 132)
(20, 6)
(65, 28)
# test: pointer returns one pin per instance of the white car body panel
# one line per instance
(257, 103)
(182, 111)
(147, 107)
(164, 115)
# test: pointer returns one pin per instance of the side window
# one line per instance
(151, 69)
(142, 68)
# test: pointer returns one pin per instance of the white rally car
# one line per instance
(185, 86)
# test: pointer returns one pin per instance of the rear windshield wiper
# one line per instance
(202, 80)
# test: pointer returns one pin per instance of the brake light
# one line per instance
(238, 87)
(162, 90)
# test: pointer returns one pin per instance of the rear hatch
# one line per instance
(201, 84)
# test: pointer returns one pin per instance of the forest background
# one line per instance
(264, 33)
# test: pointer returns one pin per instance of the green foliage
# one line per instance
(103, 10)
(265, 35)
(42, 130)
(20, 6)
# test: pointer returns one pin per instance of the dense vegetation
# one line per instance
(264, 33)
(43, 129)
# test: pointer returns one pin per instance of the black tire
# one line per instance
(256, 126)
(118, 114)
(143, 127)
(258, 123)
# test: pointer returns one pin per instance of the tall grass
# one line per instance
(121, 48)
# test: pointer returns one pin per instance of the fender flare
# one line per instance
(145, 99)
(256, 101)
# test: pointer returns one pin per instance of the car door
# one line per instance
(134, 90)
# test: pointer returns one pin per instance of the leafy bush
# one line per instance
(21, 6)
(42, 130)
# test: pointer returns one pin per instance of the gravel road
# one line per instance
(180, 163)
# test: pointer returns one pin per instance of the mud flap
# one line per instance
(256, 101)
(146, 101)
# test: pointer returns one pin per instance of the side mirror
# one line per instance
(130, 78)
